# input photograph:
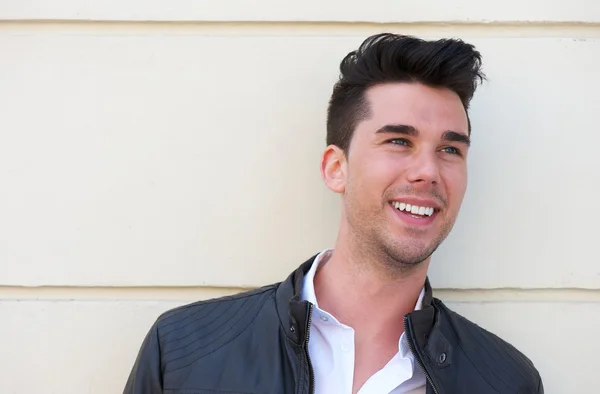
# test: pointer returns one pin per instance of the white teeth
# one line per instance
(415, 210)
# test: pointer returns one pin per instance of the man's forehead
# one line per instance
(416, 105)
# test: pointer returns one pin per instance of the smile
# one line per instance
(414, 210)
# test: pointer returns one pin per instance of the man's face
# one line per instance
(406, 170)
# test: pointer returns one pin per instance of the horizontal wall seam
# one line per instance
(227, 28)
(173, 293)
(515, 22)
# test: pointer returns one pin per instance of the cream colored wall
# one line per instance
(154, 153)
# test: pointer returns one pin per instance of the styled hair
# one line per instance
(386, 57)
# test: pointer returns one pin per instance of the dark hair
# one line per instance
(448, 63)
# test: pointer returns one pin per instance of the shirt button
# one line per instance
(324, 318)
(345, 347)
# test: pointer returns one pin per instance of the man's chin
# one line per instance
(410, 255)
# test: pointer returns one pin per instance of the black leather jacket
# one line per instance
(257, 342)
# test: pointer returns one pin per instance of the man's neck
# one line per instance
(363, 295)
(358, 293)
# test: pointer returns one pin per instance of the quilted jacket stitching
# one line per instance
(185, 317)
(170, 340)
(217, 348)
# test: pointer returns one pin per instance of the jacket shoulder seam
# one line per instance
(233, 297)
(224, 344)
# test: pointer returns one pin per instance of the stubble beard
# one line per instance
(403, 256)
(398, 255)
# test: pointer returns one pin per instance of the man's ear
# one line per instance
(334, 169)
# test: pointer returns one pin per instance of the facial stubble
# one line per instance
(374, 241)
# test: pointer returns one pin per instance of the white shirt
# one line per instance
(331, 350)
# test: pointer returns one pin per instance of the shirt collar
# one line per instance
(308, 294)
(308, 287)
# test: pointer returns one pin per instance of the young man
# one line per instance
(359, 318)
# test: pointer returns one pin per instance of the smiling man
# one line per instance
(361, 317)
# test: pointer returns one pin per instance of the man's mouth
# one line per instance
(414, 210)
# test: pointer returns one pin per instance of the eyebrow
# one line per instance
(399, 129)
(448, 135)
(454, 136)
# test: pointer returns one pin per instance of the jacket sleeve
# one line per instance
(146, 376)
(540, 387)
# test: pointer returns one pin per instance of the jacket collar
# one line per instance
(294, 314)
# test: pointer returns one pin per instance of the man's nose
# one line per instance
(424, 168)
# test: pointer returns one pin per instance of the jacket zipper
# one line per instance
(311, 373)
(413, 349)
(411, 345)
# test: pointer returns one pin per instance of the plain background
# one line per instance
(156, 153)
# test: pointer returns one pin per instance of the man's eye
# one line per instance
(399, 141)
(452, 150)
